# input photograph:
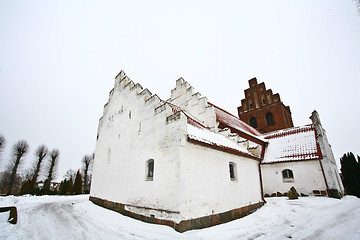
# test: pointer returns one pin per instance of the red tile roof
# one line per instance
(293, 144)
(233, 122)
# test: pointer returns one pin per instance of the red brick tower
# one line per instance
(264, 110)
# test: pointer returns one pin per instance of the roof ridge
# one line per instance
(258, 134)
(290, 131)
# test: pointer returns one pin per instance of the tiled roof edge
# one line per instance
(306, 128)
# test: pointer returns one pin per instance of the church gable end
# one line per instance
(264, 110)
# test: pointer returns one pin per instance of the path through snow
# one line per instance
(75, 217)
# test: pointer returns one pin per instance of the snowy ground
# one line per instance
(75, 217)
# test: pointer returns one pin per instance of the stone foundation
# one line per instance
(184, 225)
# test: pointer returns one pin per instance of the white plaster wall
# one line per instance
(183, 96)
(328, 162)
(307, 177)
(330, 168)
(206, 187)
(126, 143)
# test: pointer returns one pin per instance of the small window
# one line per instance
(288, 175)
(232, 171)
(150, 170)
(129, 114)
(253, 122)
(250, 105)
(264, 101)
(269, 119)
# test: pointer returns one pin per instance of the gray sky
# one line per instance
(58, 61)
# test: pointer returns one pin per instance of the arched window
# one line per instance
(288, 175)
(269, 119)
(232, 169)
(150, 170)
(253, 122)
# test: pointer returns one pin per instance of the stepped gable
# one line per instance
(183, 96)
(292, 144)
(264, 110)
(123, 83)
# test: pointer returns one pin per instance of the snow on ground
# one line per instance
(75, 217)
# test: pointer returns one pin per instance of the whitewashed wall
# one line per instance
(189, 180)
(307, 177)
(328, 162)
(206, 184)
(125, 143)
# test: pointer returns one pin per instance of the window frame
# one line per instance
(250, 122)
(287, 175)
(150, 167)
(269, 118)
(233, 173)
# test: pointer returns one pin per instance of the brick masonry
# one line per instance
(260, 101)
(196, 223)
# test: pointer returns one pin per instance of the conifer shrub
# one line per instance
(26, 188)
(266, 195)
(273, 195)
(77, 188)
(45, 190)
(279, 194)
(292, 194)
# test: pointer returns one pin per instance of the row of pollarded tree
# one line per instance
(11, 182)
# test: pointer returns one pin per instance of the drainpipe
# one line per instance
(261, 183)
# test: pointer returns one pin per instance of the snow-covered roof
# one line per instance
(203, 135)
(230, 120)
(293, 144)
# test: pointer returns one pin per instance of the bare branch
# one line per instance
(40, 153)
(2, 143)
(87, 163)
(19, 150)
(54, 156)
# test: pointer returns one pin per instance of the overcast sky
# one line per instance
(58, 61)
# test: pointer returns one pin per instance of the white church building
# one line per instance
(189, 164)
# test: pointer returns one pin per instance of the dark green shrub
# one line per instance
(292, 194)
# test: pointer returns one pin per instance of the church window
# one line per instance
(150, 170)
(232, 171)
(269, 119)
(129, 114)
(250, 105)
(264, 101)
(253, 122)
(288, 175)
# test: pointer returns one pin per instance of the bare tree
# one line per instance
(54, 155)
(70, 174)
(87, 163)
(19, 150)
(2, 143)
(40, 153)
